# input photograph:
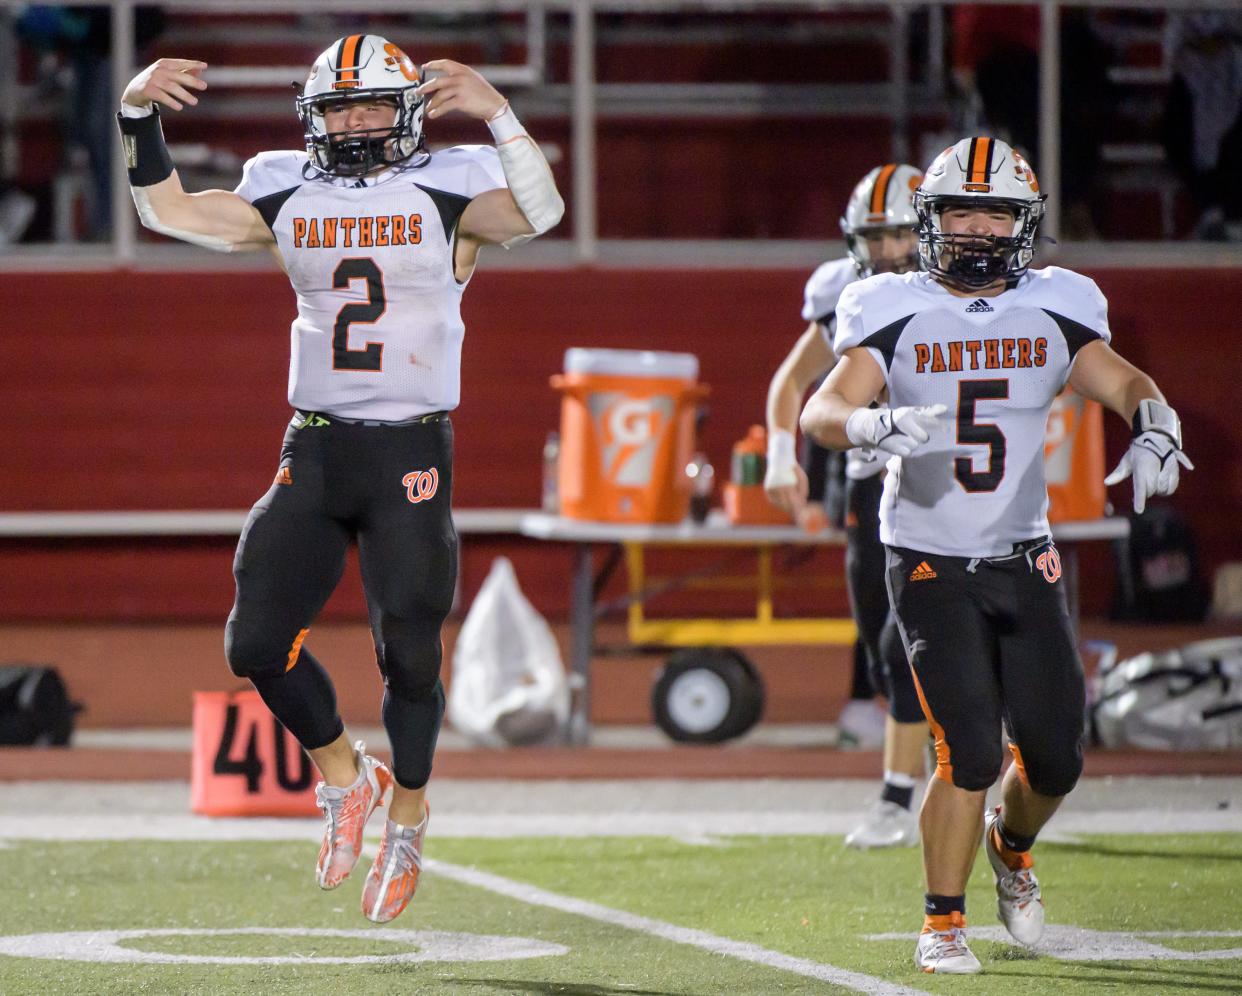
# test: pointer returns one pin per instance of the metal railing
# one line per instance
(585, 245)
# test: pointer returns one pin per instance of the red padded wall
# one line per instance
(167, 390)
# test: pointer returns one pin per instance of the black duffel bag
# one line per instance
(35, 709)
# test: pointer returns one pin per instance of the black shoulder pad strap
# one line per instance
(1076, 334)
(269, 205)
(885, 340)
(449, 205)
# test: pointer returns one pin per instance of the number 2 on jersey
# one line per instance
(370, 357)
(972, 433)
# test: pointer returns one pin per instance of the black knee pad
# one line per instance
(413, 674)
(252, 653)
(1054, 777)
(409, 656)
(977, 769)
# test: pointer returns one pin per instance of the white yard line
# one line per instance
(692, 811)
(701, 828)
(701, 939)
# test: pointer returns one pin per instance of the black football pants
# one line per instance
(388, 486)
(991, 640)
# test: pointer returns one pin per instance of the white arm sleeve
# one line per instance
(527, 173)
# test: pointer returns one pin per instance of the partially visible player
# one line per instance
(379, 238)
(972, 353)
(879, 228)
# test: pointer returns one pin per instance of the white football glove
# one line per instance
(1154, 455)
(900, 431)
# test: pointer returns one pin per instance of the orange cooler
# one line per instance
(627, 434)
(1074, 458)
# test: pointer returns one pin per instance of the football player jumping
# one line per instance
(879, 228)
(378, 237)
(972, 353)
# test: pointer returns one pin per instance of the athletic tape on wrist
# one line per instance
(781, 451)
(146, 155)
(528, 174)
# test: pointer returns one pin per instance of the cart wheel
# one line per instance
(706, 695)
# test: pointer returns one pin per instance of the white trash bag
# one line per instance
(508, 684)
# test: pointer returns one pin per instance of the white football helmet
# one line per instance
(978, 170)
(356, 68)
(881, 200)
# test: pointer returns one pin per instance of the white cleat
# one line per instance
(1018, 901)
(861, 725)
(346, 811)
(886, 825)
(945, 952)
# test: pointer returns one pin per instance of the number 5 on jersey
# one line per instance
(972, 433)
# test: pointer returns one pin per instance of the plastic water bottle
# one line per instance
(550, 501)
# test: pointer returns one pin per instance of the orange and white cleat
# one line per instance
(1019, 903)
(394, 874)
(942, 947)
(345, 815)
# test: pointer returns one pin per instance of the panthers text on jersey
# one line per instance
(995, 363)
(378, 332)
(819, 305)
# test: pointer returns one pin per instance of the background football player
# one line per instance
(378, 237)
(972, 353)
(879, 229)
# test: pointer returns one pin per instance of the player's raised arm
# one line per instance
(531, 205)
(214, 219)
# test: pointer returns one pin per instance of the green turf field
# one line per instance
(805, 899)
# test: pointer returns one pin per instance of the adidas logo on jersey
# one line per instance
(923, 572)
(978, 305)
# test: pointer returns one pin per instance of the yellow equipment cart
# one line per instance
(708, 691)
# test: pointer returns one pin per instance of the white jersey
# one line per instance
(378, 333)
(823, 289)
(819, 305)
(996, 363)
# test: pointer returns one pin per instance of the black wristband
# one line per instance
(146, 155)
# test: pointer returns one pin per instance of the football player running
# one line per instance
(879, 229)
(378, 237)
(972, 353)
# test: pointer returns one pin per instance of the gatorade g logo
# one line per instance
(630, 430)
(1050, 563)
(421, 484)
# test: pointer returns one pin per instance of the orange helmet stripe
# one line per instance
(347, 59)
(980, 159)
(879, 193)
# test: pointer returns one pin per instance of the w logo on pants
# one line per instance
(1050, 563)
(421, 484)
